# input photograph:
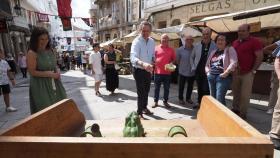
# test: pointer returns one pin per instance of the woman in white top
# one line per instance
(95, 59)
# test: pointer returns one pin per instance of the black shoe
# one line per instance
(147, 112)
(166, 105)
(276, 143)
(155, 105)
(196, 107)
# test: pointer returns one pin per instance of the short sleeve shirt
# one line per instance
(4, 68)
(95, 59)
(246, 52)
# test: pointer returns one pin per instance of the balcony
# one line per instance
(19, 22)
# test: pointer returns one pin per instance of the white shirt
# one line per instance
(142, 50)
(95, 59)
(84, 60)
(22, 62)
(4, 68)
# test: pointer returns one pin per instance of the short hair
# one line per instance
(111, 45)
(145, 23)
(220, 35)
(95, 45)
(34, 39)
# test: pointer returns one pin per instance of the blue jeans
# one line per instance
(165, 79)
(218, 86)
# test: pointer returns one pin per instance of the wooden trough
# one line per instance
(54, 133)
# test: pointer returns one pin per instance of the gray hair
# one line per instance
(145, 23)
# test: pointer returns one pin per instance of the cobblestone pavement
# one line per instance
(80, 88)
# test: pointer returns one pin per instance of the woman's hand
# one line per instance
(55, 75)
(224, 74)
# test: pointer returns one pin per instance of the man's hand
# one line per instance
(148, 67)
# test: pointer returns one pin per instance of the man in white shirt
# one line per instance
(5, 76)
(142, 59)
(96, 67)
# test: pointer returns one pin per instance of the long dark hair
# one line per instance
(36, 33)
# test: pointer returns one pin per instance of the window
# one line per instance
(162, 24)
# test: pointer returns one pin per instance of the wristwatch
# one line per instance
(254, 71)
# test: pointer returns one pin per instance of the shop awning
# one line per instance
(175, 32)
(267, 16)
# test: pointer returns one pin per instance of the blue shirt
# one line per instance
(142, 50)
(183, 56)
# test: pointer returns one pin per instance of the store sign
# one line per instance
(255, 27)
(3, 26)
(42, 17)
(213, 7)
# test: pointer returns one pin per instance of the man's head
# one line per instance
(145, 29)
(243, 31)
(188, 41)
(95, 47)
(206, 35)
(164, 40)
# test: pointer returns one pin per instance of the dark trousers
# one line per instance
(202, 86)
(182, 81)
(143, 82)
(24, 72)
(165, 79)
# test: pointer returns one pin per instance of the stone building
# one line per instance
(167, 13)
(116, 18)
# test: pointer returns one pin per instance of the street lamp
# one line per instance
(17, 9)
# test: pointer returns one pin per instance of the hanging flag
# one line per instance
(43, 17)
(86, 20)
(65, 13)
(3, 26)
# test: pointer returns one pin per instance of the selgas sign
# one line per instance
(227, 6)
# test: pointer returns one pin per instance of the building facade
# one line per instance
(116, 18)
(167, 13)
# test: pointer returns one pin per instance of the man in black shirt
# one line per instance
(199, 58)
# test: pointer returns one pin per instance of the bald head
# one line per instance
(164, 40)
(243, 31)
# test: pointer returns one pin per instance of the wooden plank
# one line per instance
(60, 119)
(153, 128)
(218, 121)
(192, 147)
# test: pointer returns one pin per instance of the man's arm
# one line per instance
(268, 49)
(11, 77)
(259, 58)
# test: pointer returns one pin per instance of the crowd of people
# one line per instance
(215, 65)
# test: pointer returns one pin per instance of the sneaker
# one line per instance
(181, 102)
(270, 111)
(141, 117)
(147, 112)
(11, 109)
(166, 105)
(155, 105)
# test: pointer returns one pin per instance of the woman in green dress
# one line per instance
(45, 84)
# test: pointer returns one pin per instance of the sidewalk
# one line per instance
(80, 88)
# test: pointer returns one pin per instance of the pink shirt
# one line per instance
(163, 56)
